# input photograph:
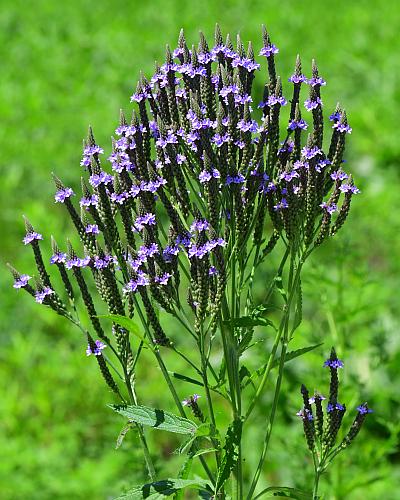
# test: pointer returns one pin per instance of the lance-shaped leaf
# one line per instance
(161, 489)
(289, 356)
(230, 453)
(284, 491)
(129, 324)
(159, 419)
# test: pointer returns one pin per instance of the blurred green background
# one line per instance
(65, 65)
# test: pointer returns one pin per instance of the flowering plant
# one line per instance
(200, 194)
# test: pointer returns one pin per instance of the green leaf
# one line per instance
(161, 489)
(186, 378)
(284, 491)
(129, 324)
(250, 322)
(297, 353)
(289, 356)
(123, 433)
(159, 419)
(230, 453)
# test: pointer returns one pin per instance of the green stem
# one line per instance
(293, 281)
(316, 483)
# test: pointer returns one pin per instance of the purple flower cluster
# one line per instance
(58, 258)
(334, 363)
(148, 219)
(99, 346)
(62, 194)
(32, 236)
(200, 251)
(88, 152)
(334, 406)
(40, 295)
(22, 281)
(312, 104)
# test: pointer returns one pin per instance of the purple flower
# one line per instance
(305, 414)
(246, 63)
(22, 281)
(229, 89)
(281, 205)
(276, 99)
(288, 176)
(77, 262)
(42, 294)
(320, 397)
(334, 363)
(140, 96)
(119, 198)
(346, 188)
(62, 194)
(180, 159)
(189, 401)
(293, 124)
(269, 50)
(242, 99)
(103, 178)
(250, 126)
(309, 153)
(32, 236)
(236, 179)
(163, 280)
(339, 175)
(297, 78)
(200, 225)
(97, 350)
(310, 105)
(148, 219)
(149, 251)
(330, 208)
(58, 258)
(204, 176)
(335, 406)
(342, 127)
(335, 116)
(316, 81)
(363, 409)
(93, 200)
(287, 147)
(92, 229)
(170, 251)
(213, 271)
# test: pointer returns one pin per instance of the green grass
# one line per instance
(67, 65)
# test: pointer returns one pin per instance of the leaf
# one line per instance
(284, 491)
(123, 433)
(289, 356)
(297, 353)
(129, 324)
(230, 453)
(161, 489)
(185, 378)
(159, 419)
(250, 321)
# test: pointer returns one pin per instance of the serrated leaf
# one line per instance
(284, 491)
(129, 324)
(230, 453)
(161, 489)
(158, 419)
